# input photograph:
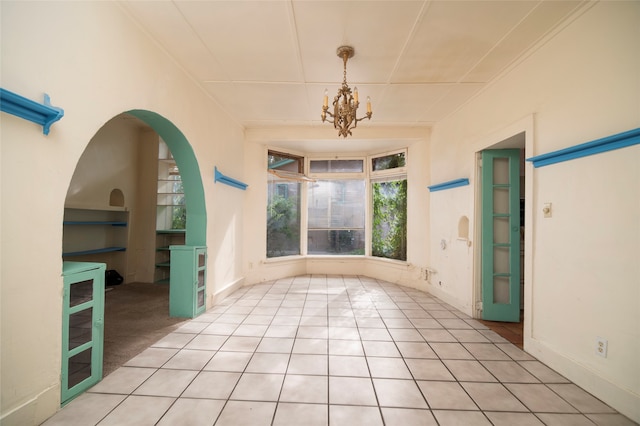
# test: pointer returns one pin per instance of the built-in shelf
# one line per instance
(164, 239)
(93, 251)
(95, 232)
(94, 222)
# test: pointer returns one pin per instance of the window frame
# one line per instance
(368, 175)
(336, 175)
(302, 192)
(373, 174)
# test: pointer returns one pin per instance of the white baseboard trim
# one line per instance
(226, 291)
(34, 411)
(624, 401)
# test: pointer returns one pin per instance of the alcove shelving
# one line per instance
(90, 231)
(96, 234)
(170, 212)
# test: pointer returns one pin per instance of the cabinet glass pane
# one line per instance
(200, 278)
(201, 298)
(79, 368)
(201, 260)
(80, 292)
(80, 327)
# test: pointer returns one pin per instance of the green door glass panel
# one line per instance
(501, 235)
(82, 327)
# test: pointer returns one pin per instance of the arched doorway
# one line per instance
(102, 199)
(189, 170)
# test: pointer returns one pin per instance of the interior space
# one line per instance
(360, 212)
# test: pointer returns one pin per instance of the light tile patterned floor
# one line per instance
(334, 350)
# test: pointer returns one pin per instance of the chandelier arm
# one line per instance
(368, 116)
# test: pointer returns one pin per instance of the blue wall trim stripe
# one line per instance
(598, 146)
(219, 177)
(42, 114)
(448, 185)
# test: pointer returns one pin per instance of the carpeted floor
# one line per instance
(136, 316)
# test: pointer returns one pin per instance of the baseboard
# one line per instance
(624, 401)
(226, 291)
(448, 299)
(34, 411)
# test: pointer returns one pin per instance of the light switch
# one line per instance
(547, 210)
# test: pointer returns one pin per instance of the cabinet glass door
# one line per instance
(200, 283)
(82, 331)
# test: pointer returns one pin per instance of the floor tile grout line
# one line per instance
(394, 297)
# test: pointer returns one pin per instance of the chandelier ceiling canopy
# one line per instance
(345, 104)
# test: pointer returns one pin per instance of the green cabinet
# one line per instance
(187, 289)
(82, 327)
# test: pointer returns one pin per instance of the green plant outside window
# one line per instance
(389, 230)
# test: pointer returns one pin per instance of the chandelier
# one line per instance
(345, 104)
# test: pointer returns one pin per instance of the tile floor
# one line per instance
(334, 350)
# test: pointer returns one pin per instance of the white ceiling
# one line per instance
(268, 63)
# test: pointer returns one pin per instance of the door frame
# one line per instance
(508, 137)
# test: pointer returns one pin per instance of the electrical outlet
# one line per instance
(601, 346)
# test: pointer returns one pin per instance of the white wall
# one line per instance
(94, 63)
(582, 264)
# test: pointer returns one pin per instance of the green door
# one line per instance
(501, 235)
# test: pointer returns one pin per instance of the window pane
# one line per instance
(388, 162)
(341, 242)
(389, 230)
(336, 166)
(336, 217)
(283, 217)
(289, 163)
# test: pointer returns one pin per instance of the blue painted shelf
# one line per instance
(93, 251)
(94, 222)
(42, 114)
(449, 185)
(219, 177)
(598, 146)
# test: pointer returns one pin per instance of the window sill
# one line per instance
(338, 258)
